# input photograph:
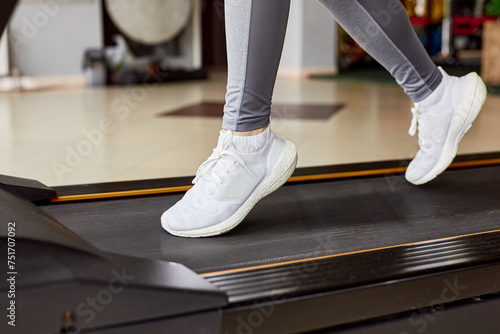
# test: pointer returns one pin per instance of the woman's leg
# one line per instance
(249, 161)
(445, 106)
(382, 28)
(255, 32)
(242, 170)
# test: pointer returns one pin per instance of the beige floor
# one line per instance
(125, 139)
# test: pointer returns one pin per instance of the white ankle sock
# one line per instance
(250, 144)
(436, 96)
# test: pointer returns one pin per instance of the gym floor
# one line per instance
(72, 135)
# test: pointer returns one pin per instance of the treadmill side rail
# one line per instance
(59, 283)
(30, 190)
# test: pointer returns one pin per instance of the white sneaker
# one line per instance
(228, 185)
(441, 127)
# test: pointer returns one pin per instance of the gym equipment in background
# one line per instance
(160, 41)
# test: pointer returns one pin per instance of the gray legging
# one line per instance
(255, 32)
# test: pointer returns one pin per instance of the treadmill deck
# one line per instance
(300, 221)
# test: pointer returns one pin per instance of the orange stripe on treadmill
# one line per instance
(313, 177)
(270, 265)
(475, 163)
(344, 175)
(395, 170)
(114, 194)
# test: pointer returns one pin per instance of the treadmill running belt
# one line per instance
(300, 220)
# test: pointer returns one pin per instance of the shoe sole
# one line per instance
(283, 171)
(471, 109)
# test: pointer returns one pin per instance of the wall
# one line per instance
(311, 40)
(48, 37)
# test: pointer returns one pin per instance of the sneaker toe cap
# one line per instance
(176, 219)
(415, 174)
(170, 222)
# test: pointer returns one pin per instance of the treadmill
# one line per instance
(347, 249)
(338, 249)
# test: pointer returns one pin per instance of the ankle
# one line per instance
(437, 95)
(250, 141)
(250, 133)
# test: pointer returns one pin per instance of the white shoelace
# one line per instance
(422, 123)
(218, 163)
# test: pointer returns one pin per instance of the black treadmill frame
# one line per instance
(405, 285)
(437, 276)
